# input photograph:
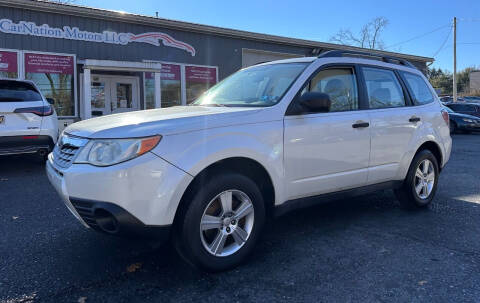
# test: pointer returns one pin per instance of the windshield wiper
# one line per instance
(214, 105)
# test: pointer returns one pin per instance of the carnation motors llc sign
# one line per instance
(74, 33)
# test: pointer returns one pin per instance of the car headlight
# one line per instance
(105, 152)
(468, 120)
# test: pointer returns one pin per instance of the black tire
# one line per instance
(187, 237)
(453, 127)
(407, 195)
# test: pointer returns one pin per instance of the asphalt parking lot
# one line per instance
(364, 249)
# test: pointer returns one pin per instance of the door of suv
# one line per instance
(18, 103)
(393, 122)
(326, 152)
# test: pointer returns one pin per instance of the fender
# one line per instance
(414, 146)
(194, 151)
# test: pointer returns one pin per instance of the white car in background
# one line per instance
(28, 122)
(261, 142)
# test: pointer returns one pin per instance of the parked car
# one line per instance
(473, 99)
(472, 109)
(461, 122)
(262, 142)
(446, 99)
(28, 122)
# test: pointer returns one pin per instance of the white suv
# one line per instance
(261, 142)
(28, 122)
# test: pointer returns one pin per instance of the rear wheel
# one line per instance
(420, 185)
(222, 223)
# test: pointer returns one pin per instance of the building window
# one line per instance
(54, 76)
(170, 84)
(198, 80)
(149, 90)
(8, 64)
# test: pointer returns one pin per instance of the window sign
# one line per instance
(198, 80)
(170, 80)
(8, 64)
(54, 76)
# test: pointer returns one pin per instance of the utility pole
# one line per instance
(454, 59)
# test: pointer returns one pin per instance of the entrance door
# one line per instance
(113, 94)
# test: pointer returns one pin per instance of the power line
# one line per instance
(443, 44)
(419, 36)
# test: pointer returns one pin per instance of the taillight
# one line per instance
(445, 117)
(38, 110)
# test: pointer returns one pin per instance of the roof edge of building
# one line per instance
(103, 14)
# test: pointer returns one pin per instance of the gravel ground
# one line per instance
(364, 249)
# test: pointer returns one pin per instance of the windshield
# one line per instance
(448, 109)
(261, 86)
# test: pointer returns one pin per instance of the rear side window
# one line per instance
(383, 88)
(14, 91)
(340, 84)
(418, 88)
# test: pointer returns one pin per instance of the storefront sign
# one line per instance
(168, 72)
(74, 33)
(48, 64)
(8, 62)
(201, 74)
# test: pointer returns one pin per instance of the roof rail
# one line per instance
(384, 58)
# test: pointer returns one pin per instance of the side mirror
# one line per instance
(51, 100)
(316, 102)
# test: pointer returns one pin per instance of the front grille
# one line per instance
(66, 150)
(85, 210)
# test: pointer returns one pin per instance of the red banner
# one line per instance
(168, 72)
(48, 64)
(8, 62)
(201, 74)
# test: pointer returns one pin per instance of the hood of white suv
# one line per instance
(163, 121)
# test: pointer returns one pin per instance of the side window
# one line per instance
(340, 84)
(470, 108)
(383, 88)
(454, 107)
(419, 89)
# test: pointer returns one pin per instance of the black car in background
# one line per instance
(461, 122)
(472, 109)
(472, 99)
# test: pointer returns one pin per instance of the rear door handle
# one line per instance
(414, 119)
(360, 124)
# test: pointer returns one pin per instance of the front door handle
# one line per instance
(414, 119)
(360, 124)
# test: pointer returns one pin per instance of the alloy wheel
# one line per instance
(424, 179)
(227, 223)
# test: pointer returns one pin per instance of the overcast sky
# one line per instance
(319, 20)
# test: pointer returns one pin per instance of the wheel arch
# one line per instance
(435, 149)
(246, 166)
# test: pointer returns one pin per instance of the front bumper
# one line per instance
(142, 194)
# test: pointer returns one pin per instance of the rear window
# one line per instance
(419, 89)
(15, 91)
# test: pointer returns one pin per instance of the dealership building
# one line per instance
(97, 62)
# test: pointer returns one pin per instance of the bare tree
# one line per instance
(368, 37)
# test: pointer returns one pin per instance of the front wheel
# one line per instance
(222, 223)
(421, 182)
